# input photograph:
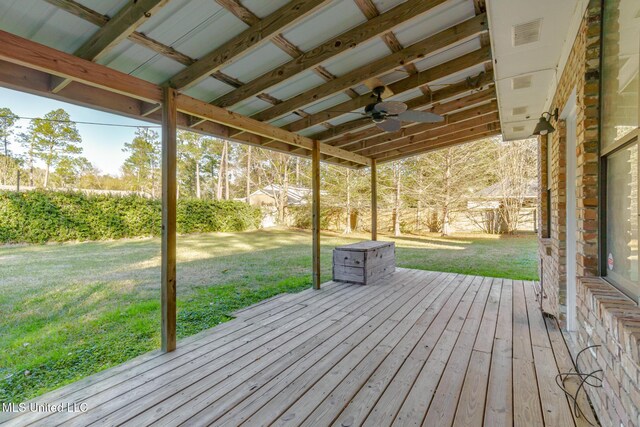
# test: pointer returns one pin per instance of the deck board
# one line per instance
(419, 348)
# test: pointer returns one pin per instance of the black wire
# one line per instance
(83, 123)
(584, 379)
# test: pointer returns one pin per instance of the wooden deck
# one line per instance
(421, 348)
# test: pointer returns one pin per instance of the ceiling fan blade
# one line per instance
(420, 117)
(390, 107)
(390, 125)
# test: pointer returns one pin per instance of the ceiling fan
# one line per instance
(389, 115)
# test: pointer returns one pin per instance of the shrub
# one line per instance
(46, 216)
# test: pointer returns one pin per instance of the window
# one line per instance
(621, 59)
(619, 142)
(622, 218)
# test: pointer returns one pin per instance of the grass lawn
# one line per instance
(73, 309)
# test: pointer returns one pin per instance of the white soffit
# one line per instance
(530, 41)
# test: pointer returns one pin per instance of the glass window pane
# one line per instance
(621, 52)
(622, 219)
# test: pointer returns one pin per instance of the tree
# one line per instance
(453, 173)
(70, 170)
(192, 153)
(516, 171)
(223, 173)
(7, 120)
(144, 160)
(54, 138)
(348, 191)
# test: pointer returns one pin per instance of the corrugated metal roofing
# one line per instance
(197, 27)
(338, 17)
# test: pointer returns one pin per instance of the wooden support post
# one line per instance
(315, 215)
(374, 201)
(169, 195)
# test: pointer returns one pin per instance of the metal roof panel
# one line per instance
(194, 27)
(440, 18)
(256, 62)
(262, 8)
(361, 55)
(335, 19)
(43, 23)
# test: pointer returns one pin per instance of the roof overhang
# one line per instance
(279, 74)
(527, 68)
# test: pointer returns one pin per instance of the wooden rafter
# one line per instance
(330, 48)
(118, 28)
(454, 138)
(99, 20)
(249, 18)
(369, 9)
(32, 55)
(448, 143)
(373, 135)
(411, 82)
(442, 131)
(263, 31)
(416, 130)
(419, 50)
(473, 116)
(37, 82)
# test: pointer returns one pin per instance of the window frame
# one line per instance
(632, 137)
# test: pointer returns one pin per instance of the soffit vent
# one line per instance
(518, 128)
(526, 33)
(521, 82)
(518, 111)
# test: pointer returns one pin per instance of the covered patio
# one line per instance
(299, 77)
(419, 348)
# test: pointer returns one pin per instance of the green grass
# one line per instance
(73, 309)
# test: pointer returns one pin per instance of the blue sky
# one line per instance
(102, 145)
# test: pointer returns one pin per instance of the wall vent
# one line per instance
(519, 111)
(526, 33)
(518, 128)
(521, 82)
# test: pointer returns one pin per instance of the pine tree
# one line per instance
(54, 138)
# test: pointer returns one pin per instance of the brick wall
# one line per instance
(605, 316)
(610, 320)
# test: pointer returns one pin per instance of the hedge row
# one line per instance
(43, 216)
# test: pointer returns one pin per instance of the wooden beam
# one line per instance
(36, 56)
(315, 213)
(368, 8)
(420, 79)
(448, 143)
(442, 109)
(419, 50)
(118, 28)
(451, 139)
(440, 132)
(113, 32)
(471, 118)
(374, 200)
(169, 195)
(401, 86)
(262, 32)
(33, 55)
(343, 42)
(210, 112)
(415, 130)
(99, 20)
(240, 12)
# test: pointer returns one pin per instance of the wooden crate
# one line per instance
(364, 262)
